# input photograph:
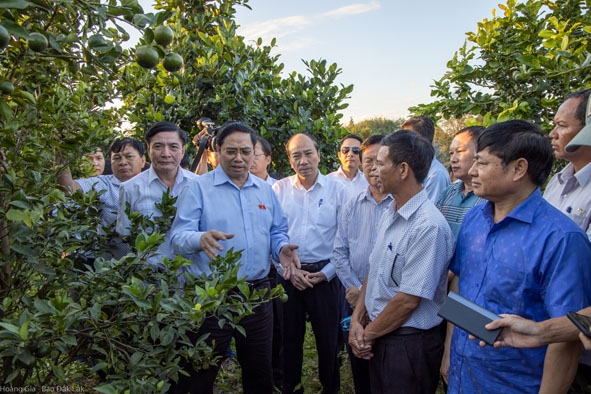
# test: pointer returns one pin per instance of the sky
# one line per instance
(390, 50)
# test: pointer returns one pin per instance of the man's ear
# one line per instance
(404, 170)
(520, 167)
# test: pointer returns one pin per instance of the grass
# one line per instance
(228, 380)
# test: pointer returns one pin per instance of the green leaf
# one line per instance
(11, 327)
(24, 331)
(18, 4)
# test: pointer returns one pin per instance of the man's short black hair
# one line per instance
(583, 96)
(421, 124)
(405, 146)
(371, 140)
(265, 146)
(516, 139)
(165, 126)
(474, 132)
(232, 126)
(120, 143)
(351, 136)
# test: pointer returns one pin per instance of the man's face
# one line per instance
(388, 173)
(127, 163)
(166, 151)
(260, 162)
(490, 178)
(303, 156)
(370, 156)
(98, 161)
(350, 160)
(236, 155)
(566, 127)
(461, 154)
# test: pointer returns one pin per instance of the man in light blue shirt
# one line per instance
(166, 147)
(356, 236)
(437, 178)
(127, 160)
(229, 208)
(407, 279)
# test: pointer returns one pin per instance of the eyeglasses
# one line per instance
(234, 151)
(346, 149)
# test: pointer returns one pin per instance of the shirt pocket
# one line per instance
(505, 287)
(326, 214)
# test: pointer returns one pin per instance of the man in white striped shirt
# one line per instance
(356, 235)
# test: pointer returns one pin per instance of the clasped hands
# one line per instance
(360, 344)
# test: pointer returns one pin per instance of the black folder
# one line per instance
(469, 316)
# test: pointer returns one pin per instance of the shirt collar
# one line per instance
(220, 177)
(320, 180)
(411, 206)
(583, 176)
(524, 212)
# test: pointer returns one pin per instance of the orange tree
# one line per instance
(61, 63)
(225, 78)
(519, 64)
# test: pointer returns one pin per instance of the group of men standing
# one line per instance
(369, 241)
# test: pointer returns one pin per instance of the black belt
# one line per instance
(315, 267)
(411, 331)
(253, 284)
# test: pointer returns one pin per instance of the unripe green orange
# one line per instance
(37, 42)
(163, 35)
(4, 37)
(172, 62)
(146, 56)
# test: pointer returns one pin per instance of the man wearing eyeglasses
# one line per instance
(395, 324)
(349, 173)
(229, 208)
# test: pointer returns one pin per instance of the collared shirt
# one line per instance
(355, 185)
(436, 181)
(252, 213)
(142, 192)
(109, 199)
(313, 216)
(356, 235)
(453, 204)
(270, 180)
(570, 192)
(533, 263)
(411, 255)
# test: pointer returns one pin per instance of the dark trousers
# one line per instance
(582, 382)
(321, 303)
(406, 361)
(253, 353)
(277, 345)
(359, 366)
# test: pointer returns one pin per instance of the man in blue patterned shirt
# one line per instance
(516, 254)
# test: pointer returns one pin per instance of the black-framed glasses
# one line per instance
(392, 271)
(346, 149)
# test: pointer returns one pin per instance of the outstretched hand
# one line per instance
(210, 244)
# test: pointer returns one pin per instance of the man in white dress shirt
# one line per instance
(349, 173)
(312, 203)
